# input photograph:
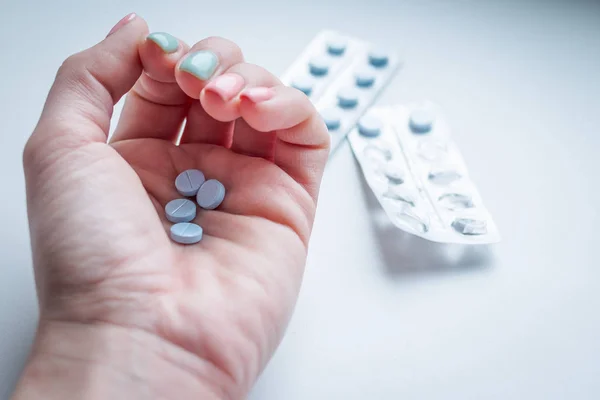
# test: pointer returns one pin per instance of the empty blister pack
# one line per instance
(419, 176)
(342, 76)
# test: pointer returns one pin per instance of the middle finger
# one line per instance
(206, 61)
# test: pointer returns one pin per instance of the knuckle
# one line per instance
(255, 74)
(71, 65)
(32, 153)
(29, 152)
(224, 46)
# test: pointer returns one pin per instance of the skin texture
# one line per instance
(124, 311)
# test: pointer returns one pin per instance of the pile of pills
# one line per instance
(209, 194)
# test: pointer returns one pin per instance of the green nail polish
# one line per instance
(201, 64)
(165, 41)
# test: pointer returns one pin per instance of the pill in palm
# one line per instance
(186, 233)
(180, 210)
(188, 182)
(211, 194)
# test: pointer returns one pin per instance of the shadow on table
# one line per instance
(404, 253)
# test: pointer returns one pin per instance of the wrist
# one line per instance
(100, 361)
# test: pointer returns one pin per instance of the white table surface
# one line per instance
(383, 315)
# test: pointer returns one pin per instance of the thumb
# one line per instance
(87, 86)
(75, 182)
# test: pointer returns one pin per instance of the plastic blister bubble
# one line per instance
(455, 201)
(377, 155)
(432, 150)
(402, 195)
(443, 176)
(395, 174)
(468, 226)
(408, 216)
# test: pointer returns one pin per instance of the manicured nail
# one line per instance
(124, 21)
(202, 64)
(227, 86)
(168, 43)
(258, 94)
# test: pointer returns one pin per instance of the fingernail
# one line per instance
(257, 94)
(124, 21)
(168, 43)
(227, 86)
(202, 64)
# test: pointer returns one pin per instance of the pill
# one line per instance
(332, 118)
(188, 182)
(186, 233)
(369, 126)
(348, 97)
(211, 194)
(421, 120)
(468, 226)
(304, 83)
(180, 210)
(319, 65)
(336, 46)
(365, 77)
(378, 58)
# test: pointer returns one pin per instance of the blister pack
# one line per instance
(419, 175)
(342, 76)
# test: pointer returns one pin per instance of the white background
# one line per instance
(381, 314)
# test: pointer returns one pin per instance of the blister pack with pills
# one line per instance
(419, 176)
(342, 76)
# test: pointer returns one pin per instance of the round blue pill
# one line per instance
(421, 121)
(365, 77)
(211, 194)
(319, 65)
(304, 83)
(336, 46)
(348, 97)
(180, 210)
(188, 182)
(369, 126)
(332, 118)
(378, 58)
(186, 233)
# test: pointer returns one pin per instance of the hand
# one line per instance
(115, 292)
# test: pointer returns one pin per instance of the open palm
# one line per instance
(100, 237)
